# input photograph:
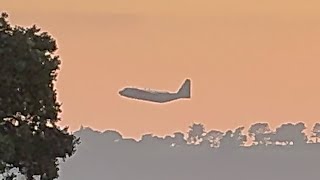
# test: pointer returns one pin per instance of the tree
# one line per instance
(316, 131)
(239, 138)
(213, 137)
(196, 133)
(111, 136)
(290, 133)
(178, 139)
(260, 132)
(233, 139)
(29, 110)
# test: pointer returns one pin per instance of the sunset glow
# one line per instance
(249, 61)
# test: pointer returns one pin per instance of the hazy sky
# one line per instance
(248, 60)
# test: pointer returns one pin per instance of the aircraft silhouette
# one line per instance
(158, 96)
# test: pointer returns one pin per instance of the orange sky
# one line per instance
(249, 61)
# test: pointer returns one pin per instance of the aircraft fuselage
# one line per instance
(160, 97)
(157, 96)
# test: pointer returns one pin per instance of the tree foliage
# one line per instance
(290, 133)
(213, 137)
(233, 139)
(196, 133)
(29, 110)
(316, 132)
(260, 132)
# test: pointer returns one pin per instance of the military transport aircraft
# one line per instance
(158, 96)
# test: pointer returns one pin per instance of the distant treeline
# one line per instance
(259, 134)
(285, 153)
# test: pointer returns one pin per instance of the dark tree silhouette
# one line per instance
(179, 139)
(168, 140)
(30, 139)
(316, 132)
(213, 137)
(239, 137)
(234, 139)
(260, 132)
(290, 134)
(147, 138)
(111, 135)
(196, 133)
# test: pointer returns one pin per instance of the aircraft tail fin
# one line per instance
(185, 89)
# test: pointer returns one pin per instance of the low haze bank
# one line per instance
(285, 153)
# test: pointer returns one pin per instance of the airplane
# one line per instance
(158, 96)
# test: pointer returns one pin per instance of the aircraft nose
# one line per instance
(121, 92)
